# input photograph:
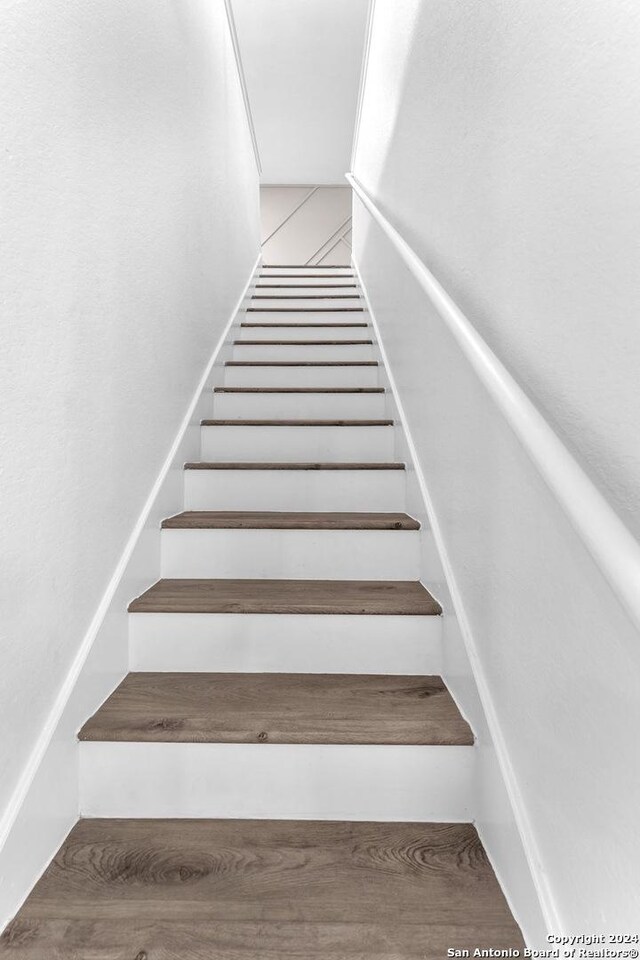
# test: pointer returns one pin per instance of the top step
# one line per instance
(305, 266)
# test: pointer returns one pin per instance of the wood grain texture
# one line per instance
(306, 296)
(280, 465)
(349, 597)
(297, 423)
(305, 309)
(304, 266)
(302, 343)
(276, 520)
(262, 890)
(305, 276)
(280, 520)
(301, 363)
(317, 326)
(299, 390)
(279, 708)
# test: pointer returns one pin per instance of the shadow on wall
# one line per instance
(306, 224)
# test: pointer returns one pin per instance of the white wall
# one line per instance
(502, 142)
(310, 224)
(130, 214)
(302, 61)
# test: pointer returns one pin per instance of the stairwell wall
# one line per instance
(501, 141)
(131, 222)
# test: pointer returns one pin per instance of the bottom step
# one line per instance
(184, 889)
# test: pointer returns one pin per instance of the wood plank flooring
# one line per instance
(287, 390)
(279, 708)
(274, 890)
(377, 597)
(297, 423)
(286, 465)
(274, 520)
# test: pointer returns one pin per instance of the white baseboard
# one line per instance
(45, 803)
(501, 818)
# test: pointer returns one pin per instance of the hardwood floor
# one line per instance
(279, 708)
(376, 597)
(274, 890)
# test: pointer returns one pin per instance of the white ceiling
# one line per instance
(302, 61)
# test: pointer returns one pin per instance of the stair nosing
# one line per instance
(206, 707)
(305, 309)
(310, 520)
(303, 343)
(293, 465)
(339, 390)
(301, 422)
(305, 266)
(301, 363)
(306, 296)
(316, 326)
(287, 597)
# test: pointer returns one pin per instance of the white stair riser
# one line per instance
(369, 490)
(303, 273)
(284, 287)
(321, 332)
(288, 406)
(282, 444)
(305, 316)
(281, 781)
(303, 303)
(312, 351)
(320, 322)
(291, 554)
(285, 643)
(301, 376)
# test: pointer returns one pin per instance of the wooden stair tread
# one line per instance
(350, 597)
(297, 423)
(299, 390)
(301, 363)
(302, 343)
(303, 286)
(305, 309)
(280, 465)
(264, 889)
(306, 296)
(279, 708)
(306, 276)
(304, 266)
(281, 520)
(315, 326)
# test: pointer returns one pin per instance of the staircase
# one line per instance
(284, 772)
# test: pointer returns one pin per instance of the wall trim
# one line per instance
(521, 818)
(363, 80)
(62, 700)
(243, 82)
(609, 542)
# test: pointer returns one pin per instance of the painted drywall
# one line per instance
(306, 224)
(500, 140)
(131, 222)
(302, 61)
